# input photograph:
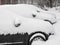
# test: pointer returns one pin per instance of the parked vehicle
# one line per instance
(11, 25)
(31, 11)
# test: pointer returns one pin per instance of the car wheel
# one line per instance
(37, 36)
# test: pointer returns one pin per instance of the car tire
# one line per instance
(37, 35)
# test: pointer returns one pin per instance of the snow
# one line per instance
(53, 39)
(29, 10)
(56, 40)
(21, 9)
(8, 18)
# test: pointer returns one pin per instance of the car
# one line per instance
(12, 25)
(31, 11)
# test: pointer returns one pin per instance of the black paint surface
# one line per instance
(13, 38)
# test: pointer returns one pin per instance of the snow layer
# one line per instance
(8, 20)
(53, 39)
(30, 10)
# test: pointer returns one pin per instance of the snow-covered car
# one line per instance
(30, 11)
(11, 24)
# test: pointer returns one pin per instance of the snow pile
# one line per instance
(47, 16)
(8, 20)
(55, 11)
(30, 11)
(22, 9)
